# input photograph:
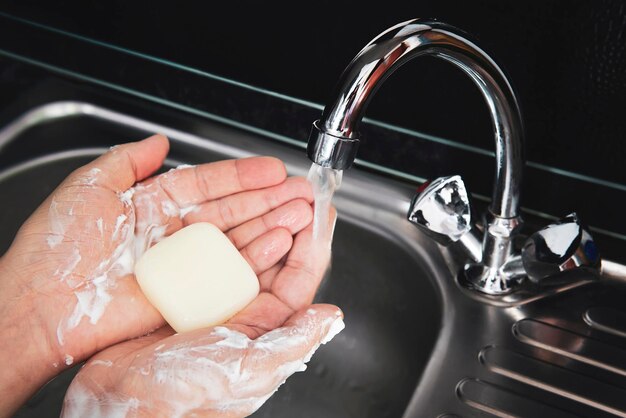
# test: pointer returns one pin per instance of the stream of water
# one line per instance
(325, 182)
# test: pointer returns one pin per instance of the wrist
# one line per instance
(25, 356)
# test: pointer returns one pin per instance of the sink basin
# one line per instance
(385, 287)
(416, 344)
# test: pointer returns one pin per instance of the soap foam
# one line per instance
(100, 225)
(57, 226)
(212, 372)
(134, 238)
(190, 368)
(92, 176)
(81, 402)
(92, 293)
(105, 363)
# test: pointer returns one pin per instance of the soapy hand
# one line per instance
(226, 371)
(68, 287)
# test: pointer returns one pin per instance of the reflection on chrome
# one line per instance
(492, 266)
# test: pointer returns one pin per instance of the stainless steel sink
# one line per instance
(416, 344)
(384, 285)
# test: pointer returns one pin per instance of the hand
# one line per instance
(67, 287)
(227, 371)
(214, 372)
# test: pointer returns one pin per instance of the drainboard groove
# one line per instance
(555, 379)
(571, 345)
(504, 403)
(606, 320)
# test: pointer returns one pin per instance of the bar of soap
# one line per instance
(196, 278)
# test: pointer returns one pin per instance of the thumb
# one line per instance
(124, 165)
(300, 336)
(275, 356)
(278, 354)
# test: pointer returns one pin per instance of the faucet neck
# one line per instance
(394, 47)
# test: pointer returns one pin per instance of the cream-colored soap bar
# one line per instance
(196, 278)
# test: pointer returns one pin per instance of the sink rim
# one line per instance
(467, 325)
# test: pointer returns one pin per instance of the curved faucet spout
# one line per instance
(334, 138)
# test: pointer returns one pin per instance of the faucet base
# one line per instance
(489, 280)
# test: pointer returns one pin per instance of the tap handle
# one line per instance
(559, 247)
(441, 209)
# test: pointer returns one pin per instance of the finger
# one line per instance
(194, 185)
(153, 339)
(263, 314)
(124, 165)
(304, 268)
(267, 250)
(311, 326)
(278, 354)
(243, 373)
(293, 216)
(233, 210)
(270, 359)
(156, 208)
(267, 277)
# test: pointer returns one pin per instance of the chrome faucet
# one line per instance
(443, 209)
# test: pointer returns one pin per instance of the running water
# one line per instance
(324, 181)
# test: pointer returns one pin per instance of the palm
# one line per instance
(80, 244)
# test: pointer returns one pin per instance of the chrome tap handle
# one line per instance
(561, 246)
(442, 211)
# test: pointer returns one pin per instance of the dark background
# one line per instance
(566, 59)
